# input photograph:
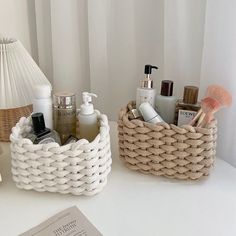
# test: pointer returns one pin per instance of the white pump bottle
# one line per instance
(146, 93)
(88, 121)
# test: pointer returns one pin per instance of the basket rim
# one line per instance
(24, 122)
(123, 116)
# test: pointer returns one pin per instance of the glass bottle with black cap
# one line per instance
(40, 134)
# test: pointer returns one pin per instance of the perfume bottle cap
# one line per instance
(38, 122)
(167, 88)
(42, 91)
(190, 94)
(148, 113)
(64, 100)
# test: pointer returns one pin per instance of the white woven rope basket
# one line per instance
(80, 168)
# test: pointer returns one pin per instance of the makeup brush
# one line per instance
(196, 117)
(220, 94)
(209, 107)
(217, 98)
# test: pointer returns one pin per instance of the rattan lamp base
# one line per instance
(9, 118)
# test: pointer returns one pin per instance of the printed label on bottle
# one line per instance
(185, 117)
(47, 140)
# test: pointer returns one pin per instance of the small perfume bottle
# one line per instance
(187, 108)
(64, 115)
(41, 134)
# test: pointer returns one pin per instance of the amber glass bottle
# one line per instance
(187, 107)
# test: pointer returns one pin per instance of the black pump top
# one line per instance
(38, 122)
(148, 69)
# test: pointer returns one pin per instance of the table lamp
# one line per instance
(18, 75)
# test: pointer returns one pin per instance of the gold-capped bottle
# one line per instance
(64, 115)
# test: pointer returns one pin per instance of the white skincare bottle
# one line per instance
(42, 103)
(165, 102)
(88, 121)
(146, 93)
(149, 114)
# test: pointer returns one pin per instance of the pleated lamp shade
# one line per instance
(18, 75)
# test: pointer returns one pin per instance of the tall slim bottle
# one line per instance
(43, 103)
(64, 115)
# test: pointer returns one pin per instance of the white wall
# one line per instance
(184, 34)
(219, 66)
(17, 20)
(123, 37)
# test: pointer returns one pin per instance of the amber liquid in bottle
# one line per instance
(64, 115)
(187, 107)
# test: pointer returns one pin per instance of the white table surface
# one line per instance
(131, 204)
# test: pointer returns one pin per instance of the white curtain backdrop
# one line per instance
(102, 46)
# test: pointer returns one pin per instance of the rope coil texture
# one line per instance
(166, 150)
(79, 168)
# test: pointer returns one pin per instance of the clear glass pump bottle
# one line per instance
(88, 120)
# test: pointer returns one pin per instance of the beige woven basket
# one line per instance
(9, 118)
(80, 168)
(166, 150)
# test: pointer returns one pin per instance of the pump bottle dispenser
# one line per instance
(146, 93)
(88, 121)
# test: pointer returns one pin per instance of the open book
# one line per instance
(70, 222)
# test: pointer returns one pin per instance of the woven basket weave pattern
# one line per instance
(9, 118)
(80, 168)
(166, 150)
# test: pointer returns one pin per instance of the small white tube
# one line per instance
(149, 114)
